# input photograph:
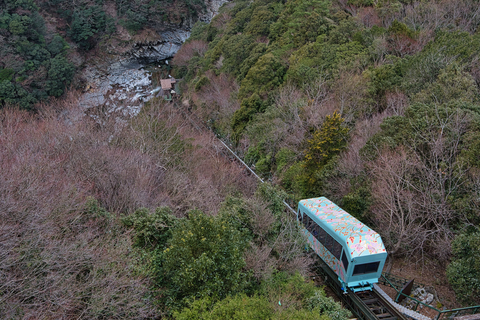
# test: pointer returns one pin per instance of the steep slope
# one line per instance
(375, 105)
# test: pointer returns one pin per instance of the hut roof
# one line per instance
(166, 84)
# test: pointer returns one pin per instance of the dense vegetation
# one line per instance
(37, 57)
(33, 63)
(141, 221)
(103, 219)
(374, 104)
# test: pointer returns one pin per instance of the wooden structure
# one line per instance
(168, 88)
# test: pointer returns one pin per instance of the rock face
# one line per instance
(123, 86)
(164, 48)
(171, 39)
(212, 9)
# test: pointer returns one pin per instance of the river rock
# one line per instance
(123, 86)
(164, 48)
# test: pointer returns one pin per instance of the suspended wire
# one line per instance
(196, 126)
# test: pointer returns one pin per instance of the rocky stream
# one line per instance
(122, 83)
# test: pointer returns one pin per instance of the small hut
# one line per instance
(168, 86)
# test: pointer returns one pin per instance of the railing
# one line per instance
(397, 283)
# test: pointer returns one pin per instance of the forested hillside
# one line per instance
(106, 217)
(373, 104)
(45, 42)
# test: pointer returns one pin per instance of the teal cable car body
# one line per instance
(352, 250)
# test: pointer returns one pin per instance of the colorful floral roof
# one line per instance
(359, 238)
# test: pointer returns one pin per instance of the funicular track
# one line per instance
(378, 307)
(365, 305)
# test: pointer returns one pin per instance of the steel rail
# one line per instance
(189, 118)
(364, 306)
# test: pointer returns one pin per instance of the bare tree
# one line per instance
(414, 183)
(188, 51)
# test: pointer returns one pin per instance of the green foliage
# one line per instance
(24, 4)
(263, 77)
(269, 130)
(448, 47)
(199, 31)
(344, 31)
(136, 20)
(246, 113)
(19, 24)
(94, 209)
(316, 59)
(453, 84)
(6, 74)
(361, 3)
(293, 180)
(262, 18)
(152, 229)
(255, 53)
(264, 165)
(283, 297)
(235, 50)
(464, 271)
(60, 74)
(140, 14)
(472, 152)
(204, 258)
(201, 82)
(238, 307)
(322, 152)
(301, 22)
(40, 62)
(357, 202)
(281, 284)
(274, 196)
(243, 214)
(86, 23)
(57, 45)
(327, 142)
(14, 94)
(399, 28)
(254, 153)
(327, 306)
(284, 158)
(419, 123)
(384, 78)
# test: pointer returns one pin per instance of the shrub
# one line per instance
(6, 74)
(266, 75)
(326, 305)
(325, 145)
(238, 307)
(204, 258)
(464, 271)
(152, 229)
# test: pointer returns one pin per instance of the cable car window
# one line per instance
(313, 224)
(315, 232)
(344, 260)
(322, 236)
(366, 268)
(329, 243)
(337, 249)
(306, 220)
